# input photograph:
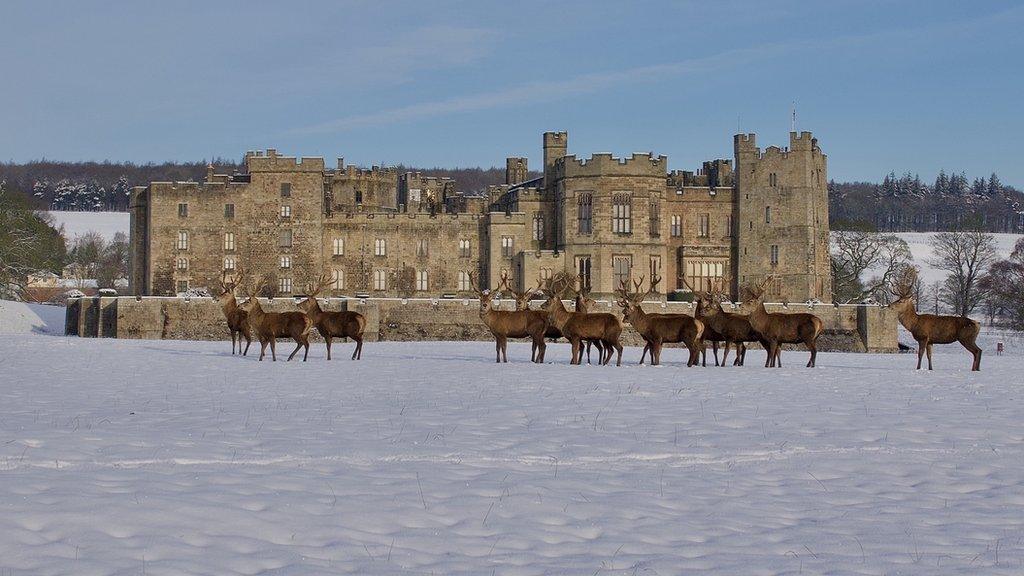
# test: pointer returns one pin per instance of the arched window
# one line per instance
(585, 213)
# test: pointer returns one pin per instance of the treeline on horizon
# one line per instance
(897, 204)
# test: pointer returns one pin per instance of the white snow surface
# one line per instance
(23, 318)
(173, 457)
(920, 247)
(78, 223)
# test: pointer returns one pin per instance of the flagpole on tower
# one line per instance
(792, 125)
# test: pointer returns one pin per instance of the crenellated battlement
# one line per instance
(606, 164)
(271, 161)
(390, 217)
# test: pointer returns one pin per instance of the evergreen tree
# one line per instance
(995, 187)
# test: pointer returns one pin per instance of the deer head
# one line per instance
(903, 289)
(228, 285)
(314, 288)
(252, 291)
(485, 296)
(522, 298)
(757, 291)
(631, 301)
(553, 288)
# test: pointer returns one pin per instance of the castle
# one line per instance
(378, 233)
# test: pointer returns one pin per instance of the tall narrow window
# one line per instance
(773, 180)
(465, 250)
(338, 247)
(583, 269)
(286, 211)
(677, 226)
(464, 283)
(284, 285)
(767, 214)
(286, 190)
(229, 210)
(538, 228)
(182, 240)
(421, 280)
(286, 262)
(380, 279)
(655, 219)
(229, 241)
(622, 214)
(286, 239)
(182, 210)
(704, 228)
(585, 212)
(775, 254)
(422, 248)
(728, 225)
(380, 247)
(359, 200)
(622, 267)
(507, 246)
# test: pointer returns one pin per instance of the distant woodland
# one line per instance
(897, 204)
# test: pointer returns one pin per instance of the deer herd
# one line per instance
(585, 328)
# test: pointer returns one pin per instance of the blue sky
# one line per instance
(884, 85)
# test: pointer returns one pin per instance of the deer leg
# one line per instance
(976, 352)
(703, 354)
(644, 353)
(618, 347)
(814, 354)
(725, 354)
(233, 343)
(327, 341)
(502, 343)
(928, 350)
(576, 352)
(538, 343)
(741, 354)
(778, 355)
(358, 352)
(497, 349)
(273, 349)
(920, 353)
(305, 344)
(248, 340)
(263, 350)
(298, 346)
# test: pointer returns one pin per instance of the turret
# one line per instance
(515, 170)
(555, 146)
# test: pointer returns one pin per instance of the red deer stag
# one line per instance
(238, 319)
(930, 329)
(658, 329)
(584, 303)
(582, 299)
(778, 329)
(710, 334)
(333, 324)
(505, 324)
(733, 328)
(269, 326)
(579, 326)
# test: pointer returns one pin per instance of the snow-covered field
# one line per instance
(920, 247)
(78, 223)
(170, 457)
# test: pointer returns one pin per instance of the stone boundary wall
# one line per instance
(852, 328)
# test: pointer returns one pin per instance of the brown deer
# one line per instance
(238, 319)
(778, 329)
(505, 324)
(582, 299)
(330, 325)
(579, 326)
(734, 329)
(269, 326)
(657, 329)
(710, 334)
(584, 303)
(930, 329)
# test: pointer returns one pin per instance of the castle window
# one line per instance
(229, 210)
(583, 269)
(182, 210)
(775, 254)
(380, 248)
(677, 226)
(655, 220)
(359, 196)
(286, 262)
(338, 247)
(464, 282)
(622, 214)
(622, 267)
(284, 285)
(182, 286)
(585, 216)
(182, 263)
(286, 190)
(728, 225)
(182, 240)
(538, 228)
(286, 211)
(229, 262)
(423, 248)
(767, 214)
(380, 279)
(773, 180)
(465, 250)
(421, 281)
(507, 246)
(704, 226)
(285, 239)
(229, 241)
(704, 275)
(337, 279)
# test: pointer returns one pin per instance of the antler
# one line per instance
(903, 287)
(321, 283)
(474, 283)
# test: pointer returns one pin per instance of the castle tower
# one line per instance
(782, 218)
(555, 146)
(515, 170)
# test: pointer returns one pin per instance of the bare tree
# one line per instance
(1002, 288)
(965, 255)
(856, 253)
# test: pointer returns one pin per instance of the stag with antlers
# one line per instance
(930, 329)
(727, 327)
(505, 324)
(329, 324)
(658, 329)
(269, 326)
(238, 319)
(778, 329)
(578, 327)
